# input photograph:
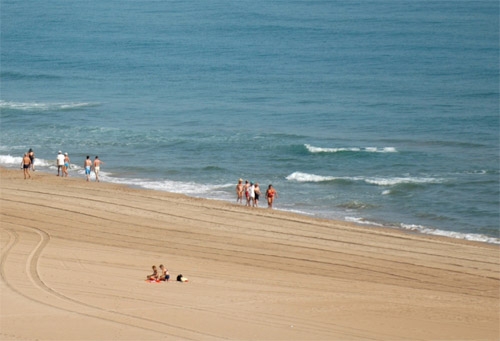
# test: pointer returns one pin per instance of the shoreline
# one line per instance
(75, 256)
(407, 228)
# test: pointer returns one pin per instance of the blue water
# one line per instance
(384, 113)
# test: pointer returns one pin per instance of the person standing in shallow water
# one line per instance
(251, 195)
(239, 191)
(26, 164)
(60, 163)
(88, 166)
(257, 195)
(31, 155)
(97, 168)
(246, 186)
(66, 164)
(271, 194)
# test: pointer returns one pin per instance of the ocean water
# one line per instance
(383, 113)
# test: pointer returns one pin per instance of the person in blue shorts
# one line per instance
(164, 276)
(88, 166)
(66, 164)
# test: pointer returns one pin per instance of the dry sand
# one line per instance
(74, 257)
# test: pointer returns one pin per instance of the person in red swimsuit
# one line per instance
(270, 195)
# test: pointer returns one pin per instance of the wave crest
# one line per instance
(379, 181)
(314, 149)
(305, 177)
(36, 106)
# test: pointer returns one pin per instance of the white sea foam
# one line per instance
(305, 177)
(295, 211)
(402, 180)
(218, 192)
(9, 161)
(458, 235)
(379, 181)
(29, 106)
(188, 188)
(361, 221)
(313, 149)
(431, 231)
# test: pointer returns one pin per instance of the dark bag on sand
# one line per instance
(179, 278)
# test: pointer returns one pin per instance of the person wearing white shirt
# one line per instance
(59, 162)
(251, 194)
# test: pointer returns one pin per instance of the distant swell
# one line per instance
(35, 106)
(313, 149)
(18, 76)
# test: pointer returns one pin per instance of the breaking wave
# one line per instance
(36, 106)
(313, 149)
(379, 181)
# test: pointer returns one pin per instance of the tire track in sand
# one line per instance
(71, 305)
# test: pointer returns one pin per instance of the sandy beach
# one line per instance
(75, 255)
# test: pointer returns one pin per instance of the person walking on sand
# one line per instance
(87, 165)
(31, 155)
(257, 195)
(66, 164)
(270, 195)
(25, 165)
(97, 167)
(60, 162)
(239, 191)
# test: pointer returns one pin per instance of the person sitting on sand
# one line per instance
(154, 275)
(164, 276)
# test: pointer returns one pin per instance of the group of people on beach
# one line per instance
(250, 190)
(252, 193)
(95, 166)
(161, 275)
(62, 162)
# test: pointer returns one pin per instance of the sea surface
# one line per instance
(383, 112)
